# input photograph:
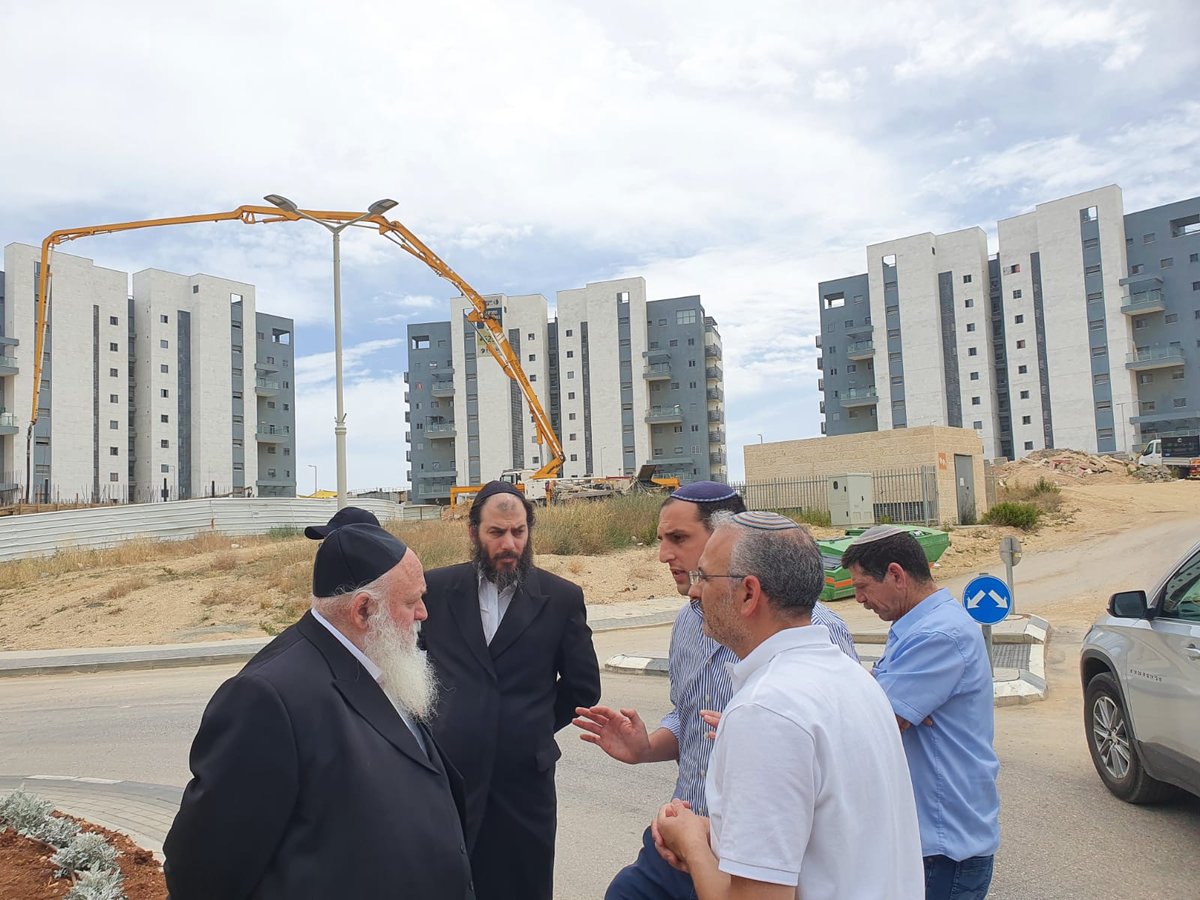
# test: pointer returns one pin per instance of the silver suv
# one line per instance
(1140, 665)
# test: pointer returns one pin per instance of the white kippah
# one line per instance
(877, 533)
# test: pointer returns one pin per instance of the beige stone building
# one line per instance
(955, 455)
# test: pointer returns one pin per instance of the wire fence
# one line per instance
(904, 496)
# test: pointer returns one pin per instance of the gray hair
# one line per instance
(335, 606)
(787, 563)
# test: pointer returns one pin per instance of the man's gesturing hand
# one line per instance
(621, 734)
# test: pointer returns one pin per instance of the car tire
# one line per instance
(1112, 744)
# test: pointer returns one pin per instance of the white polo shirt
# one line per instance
(808, 784)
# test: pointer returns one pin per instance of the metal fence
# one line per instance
(41, 534)
(906, 496)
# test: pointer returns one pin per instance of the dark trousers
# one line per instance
(511, 858)
(946, 879)
(649, 877)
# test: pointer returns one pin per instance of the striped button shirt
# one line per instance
(699, 671)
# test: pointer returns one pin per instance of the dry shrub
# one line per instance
(123, 588)
(225, 562)
(223, 595)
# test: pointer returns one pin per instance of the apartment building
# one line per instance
(144, 394)
(618, 395)
(1072, 335)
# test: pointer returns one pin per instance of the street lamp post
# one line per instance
(379, 207)
(314, 468)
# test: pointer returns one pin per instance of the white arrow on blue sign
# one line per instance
(987, 599)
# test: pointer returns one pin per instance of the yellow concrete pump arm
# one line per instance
(489, 329)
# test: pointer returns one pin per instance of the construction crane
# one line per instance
(487, 327)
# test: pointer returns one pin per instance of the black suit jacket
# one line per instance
(501, 703)
(307, 783)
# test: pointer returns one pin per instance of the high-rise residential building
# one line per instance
(619, 394)
(1073, 335)
(144, 395)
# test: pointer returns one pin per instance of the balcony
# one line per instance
(716, 459)
(712, 351)
(265, 387)
(442, 387)
(273, 434)
(438, 475)
(861, 350)
(715, 393)
(817, 341)
(661, 415)
(820, 384)
(1154, 358)
(657, 372)
(8, 423)
(661, 461)
(860, 397)
(436, 370)
(716, 437)
(1145, 302)
(716, 415)
(865, 328)
(265, 367)
(714, 373)
(8, 365)
(440, 431)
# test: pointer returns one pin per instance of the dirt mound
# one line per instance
(1064, 467)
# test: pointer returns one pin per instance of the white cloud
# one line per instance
(319, 368)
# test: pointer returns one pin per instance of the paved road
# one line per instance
(1064, 835)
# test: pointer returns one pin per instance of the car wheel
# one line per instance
(1111, 742)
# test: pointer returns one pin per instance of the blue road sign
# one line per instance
(987, 599)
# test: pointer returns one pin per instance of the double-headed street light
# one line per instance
(378, 208)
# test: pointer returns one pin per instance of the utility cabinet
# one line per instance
(851, 499)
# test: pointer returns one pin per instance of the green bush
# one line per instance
(1014, 514)
(1045, 486)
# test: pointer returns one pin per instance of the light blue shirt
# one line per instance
(935, 665)
(700, 679)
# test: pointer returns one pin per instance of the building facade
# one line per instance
(1072, 335)
(144, 394)
(619, 395)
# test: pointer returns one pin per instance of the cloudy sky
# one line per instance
(742, 154)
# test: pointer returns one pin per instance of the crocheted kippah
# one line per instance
(705, 492)
(764, 521)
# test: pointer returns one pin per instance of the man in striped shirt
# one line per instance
(700, 688)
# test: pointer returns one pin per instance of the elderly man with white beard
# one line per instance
(314, 771)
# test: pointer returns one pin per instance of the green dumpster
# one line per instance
(837, 579)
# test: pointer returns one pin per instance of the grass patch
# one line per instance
(284, 532)
(1015, 514)
(1044, 494)
(123, 588)
(806, 516)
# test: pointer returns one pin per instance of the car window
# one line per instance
(1181, 597)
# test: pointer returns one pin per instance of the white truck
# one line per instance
(1180, 450)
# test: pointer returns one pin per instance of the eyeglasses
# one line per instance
(696, 577)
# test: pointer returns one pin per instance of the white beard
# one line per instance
(407, 677)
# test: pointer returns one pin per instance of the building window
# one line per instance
(1022, 370)
(966, 279)
(1136, 269)
(685, 317)
(1029, 445)
(1166, 263)
(574, 457)
(114, 424)
(1085, 215)
(570, 354)
(164, 368)
(1017, 295)
(1100, 351)
(570, 417)
(571, 375)
(164, 393)
(1148, 238)
(570, 395)
(271, 404)
(113, 398)
(1095, 297)
(164, 443)
(1171, 318)
(1026, 420)
(972, 351)
(1179, 402)
(114, 347)
(1145, 378)
(569, 332)
(1096, 325)
(1024, 395)
(969, 302)
(1017, 320)
(976, 401)
(164, 468)
(974, 376)
(113, 373)
(164, 418)
(1014, 268)
(164, 344)
(1100, 378)
(113, 451)
(1143, 322)
(113, 476)
(112, 320)
(533, 378)
(1091, 270)
(977, 425)
(164, 320)
(970, 326)
(1020, 345)
(1148, 406)
(530, 336)
(533, 357)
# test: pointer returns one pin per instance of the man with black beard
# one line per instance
(514, 658)
(314, 773)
